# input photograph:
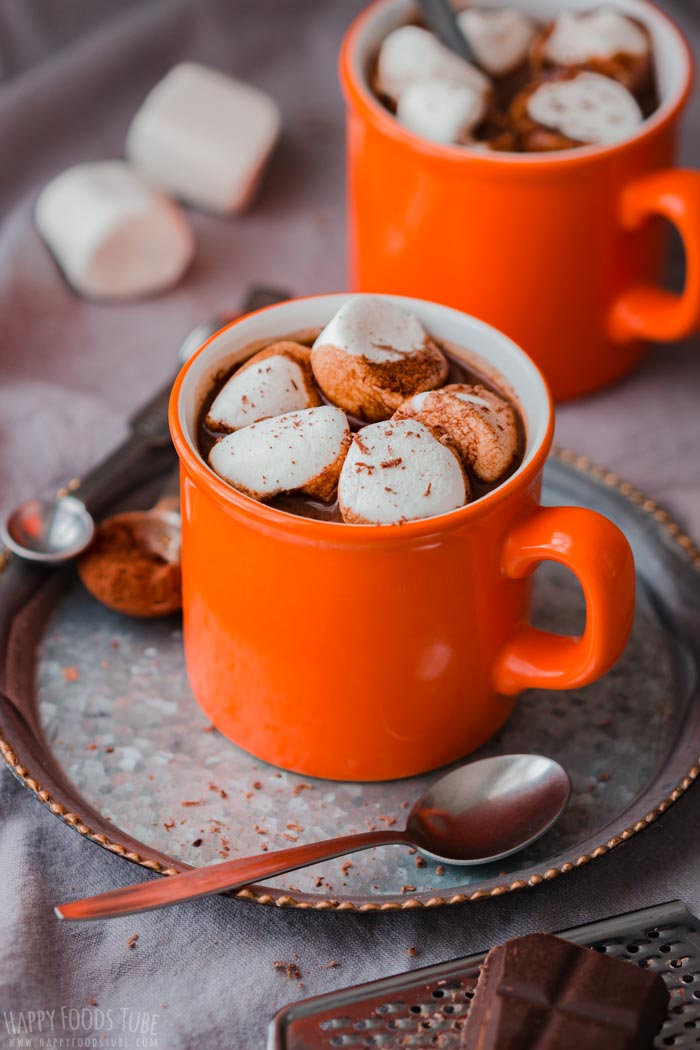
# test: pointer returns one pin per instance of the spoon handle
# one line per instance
(441, 19)
(231, 875)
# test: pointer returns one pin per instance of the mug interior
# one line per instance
(487, 348)
(671, 53)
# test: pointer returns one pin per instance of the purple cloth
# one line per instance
(72, 75)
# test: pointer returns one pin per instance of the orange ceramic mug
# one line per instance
(562, 251)
(367, 652)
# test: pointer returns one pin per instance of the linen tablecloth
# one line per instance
(72, 73)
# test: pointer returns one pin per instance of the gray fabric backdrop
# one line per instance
(72, 73)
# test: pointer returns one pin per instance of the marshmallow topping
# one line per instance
(410, 53)
(372, 355)
(500, 40)
(296, 452)
(399, 471)
(479, 424)
(587, 108)
(274, 381)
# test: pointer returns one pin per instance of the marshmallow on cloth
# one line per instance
(272, 382)
(204, 137)
(297, 452)
(113, 235)
(411, 53)
(398, 471)
(441, 111)
(500, 40)
(574, 109)
(479, 424)
(602, 41)
(372, 355)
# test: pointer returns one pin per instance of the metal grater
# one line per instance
(425, 1009)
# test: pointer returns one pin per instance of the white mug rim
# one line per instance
(239, 334)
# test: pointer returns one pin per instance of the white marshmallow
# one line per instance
(372, 355)
(374, 328)
(297, 452)
(204, 137)
(478, 424)
(275, 381)
(587, 108)
(577, 38)
(399, 471)
(113, 235)
(410, 53)
(500, 40)
(441, 111)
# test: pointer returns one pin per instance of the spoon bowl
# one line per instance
(487, 810)
(47, 530)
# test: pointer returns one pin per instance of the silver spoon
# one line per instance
(440, 18)
(53, 530)
(476, 814)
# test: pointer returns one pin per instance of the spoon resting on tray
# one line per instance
(478, 813)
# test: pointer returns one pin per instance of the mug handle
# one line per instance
(597, 552)
(650, 312)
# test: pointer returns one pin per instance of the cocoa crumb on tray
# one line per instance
(192, 802)
(71, 674)
(407, 888)
(296, 791)
(412, 952)
(131, 941)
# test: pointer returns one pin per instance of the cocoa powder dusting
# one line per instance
(124, 571)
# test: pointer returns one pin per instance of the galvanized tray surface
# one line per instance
(427, 1008)
(104, 729)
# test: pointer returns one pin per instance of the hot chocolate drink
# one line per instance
(582, 78)
(369, 421)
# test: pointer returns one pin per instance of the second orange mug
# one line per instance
(368, 652)
(562, 251)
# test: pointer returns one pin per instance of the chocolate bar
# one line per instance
(543, 993)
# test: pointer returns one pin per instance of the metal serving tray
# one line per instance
(99, 722)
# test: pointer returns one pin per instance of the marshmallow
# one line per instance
(297, 452)
(372, 355)
(500, 40)
(399, 471)
(272, 382)
(479, 424)
(204, 137)
(410, 53)
(440, 110)
(113, 235)
(577, 38)
(585, 108)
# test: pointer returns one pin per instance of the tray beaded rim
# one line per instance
(580, 463)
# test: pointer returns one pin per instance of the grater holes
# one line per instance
(335, 1022)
